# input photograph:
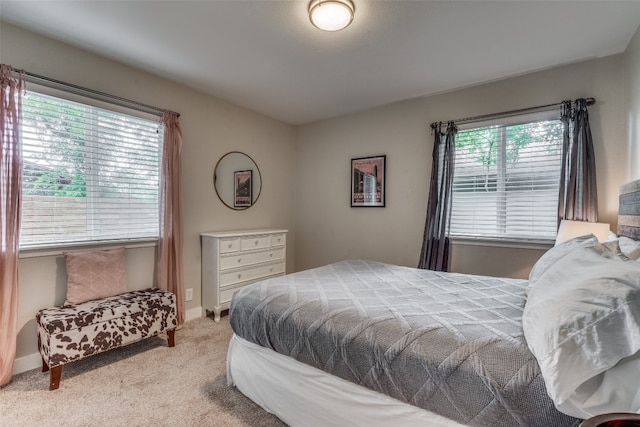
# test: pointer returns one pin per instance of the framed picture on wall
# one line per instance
(368, 181)
(242, 182)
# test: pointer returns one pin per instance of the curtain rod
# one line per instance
(94, 94)
(590, 101)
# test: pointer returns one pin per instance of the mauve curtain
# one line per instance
(169, 258)
(435, 244)
(578, 197)
(10, 200)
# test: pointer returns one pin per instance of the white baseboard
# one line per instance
(193, 313)
(34, 361)
(27, 363)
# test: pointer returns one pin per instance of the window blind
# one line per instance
(506, 180)
(90, 174)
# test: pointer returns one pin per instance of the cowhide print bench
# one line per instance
(70, 333)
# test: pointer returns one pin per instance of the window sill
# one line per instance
(499, 243)
(56, 250)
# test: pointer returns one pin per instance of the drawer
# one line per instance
(229, 245)
(227, 292)
(250, 258)
(237, 276)
(255, 242)
(278, 239)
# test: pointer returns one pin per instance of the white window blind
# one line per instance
(506, 180)
(90, 174)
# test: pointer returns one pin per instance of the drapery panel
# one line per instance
(169, 269)
(435, 245)
(578, 197)
(11, 89)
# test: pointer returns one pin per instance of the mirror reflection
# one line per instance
(237, 180)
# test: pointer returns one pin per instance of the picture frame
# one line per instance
(242, 188)
(368, 181)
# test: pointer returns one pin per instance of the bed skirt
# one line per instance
(301, 395)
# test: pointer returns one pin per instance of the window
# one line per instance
(90, 174)
(506, 180)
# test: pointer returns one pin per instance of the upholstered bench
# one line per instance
(73, 332)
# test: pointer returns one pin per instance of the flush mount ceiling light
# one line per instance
(331, 15)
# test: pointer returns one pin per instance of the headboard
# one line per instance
(629, 210)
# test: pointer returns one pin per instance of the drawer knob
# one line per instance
(271, 254)
(256, 242)
(239, 275)
(239, 259)
(271, 269)
(230, 245)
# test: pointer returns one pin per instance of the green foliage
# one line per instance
(52, 183)
(59, 167)
(482, 144)
(70, 143)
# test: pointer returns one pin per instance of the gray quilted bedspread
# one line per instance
(449, 343)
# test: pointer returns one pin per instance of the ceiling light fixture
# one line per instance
(331, 15)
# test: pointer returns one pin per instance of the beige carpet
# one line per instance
(143, 384)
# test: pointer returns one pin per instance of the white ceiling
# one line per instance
(265, 55)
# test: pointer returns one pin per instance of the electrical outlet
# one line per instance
(188, 294)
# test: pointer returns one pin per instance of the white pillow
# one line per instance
(609, 249)
(629, 247)
(581, 318)
(556, 253)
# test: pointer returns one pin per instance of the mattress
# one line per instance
(449, 343)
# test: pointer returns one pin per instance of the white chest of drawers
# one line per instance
(232, 260)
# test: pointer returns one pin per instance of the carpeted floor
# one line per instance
(143, 384)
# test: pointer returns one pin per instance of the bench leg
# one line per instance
(45, 367)
(56, 374)
(171, 337)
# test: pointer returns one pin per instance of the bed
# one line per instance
(366, 343)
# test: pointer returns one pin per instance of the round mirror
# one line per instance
(237, 180)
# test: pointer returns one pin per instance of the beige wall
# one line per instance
(328, 229)
(632, 92)
(211, 127)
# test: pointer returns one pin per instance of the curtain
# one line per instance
(10, 201)
(578, 198)
(169, 271)
(435, 244)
